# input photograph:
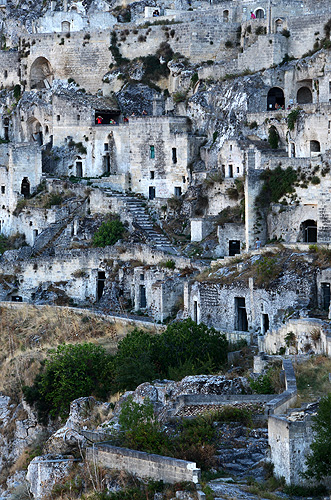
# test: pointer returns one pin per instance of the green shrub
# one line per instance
(228, 44)
(273, 137)
(169, 264)
(315, 180)
(261, 385)
(53, 199)
(72, 371)
(194, 79)
(292, 118)
(277, 183)
(17, 92)
(108, 233)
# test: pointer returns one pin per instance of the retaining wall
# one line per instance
(170, 470)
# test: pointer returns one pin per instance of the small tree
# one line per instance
(108, 233)
(273, 137)
(319, 461)
(72, 371)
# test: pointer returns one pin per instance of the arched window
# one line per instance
(41, 74)
(304, 96)
(275, 99)
(35, 133)
(259, 14)
(315, 147)
(25, 187)
(225, 16)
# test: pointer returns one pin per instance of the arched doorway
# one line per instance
(35, 133)
(259, 14)
(41, 74)
(225, 16)
(315, 147)
(304, 96)
(309, 231)
(25, 187)
(275, 99)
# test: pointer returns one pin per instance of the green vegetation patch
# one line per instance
(277, 183)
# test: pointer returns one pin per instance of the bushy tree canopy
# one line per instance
(108, 233)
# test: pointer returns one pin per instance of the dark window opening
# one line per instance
(259, 14)
(195, 311)
(142, 277)
(325, 289)
(265, 323)
(100, 283)
(35, 233)
(225, 16)
(3, 189)
(6, 73)
(106, 163)
(106, 146)
(174, 155)
(142, 294)
(151, 192)
(178, 192)
(183, 179)
(241, 323)
(152, 152)
(108, 117)
(6, 132)
(315, 147)
(58, 118)
(25, 187)
(16, 298)
(234, 247)
(304, 96)
(78, 118)
(79, 169)
(151, 174)
(275, 99)
(309, 228)
(230, 170)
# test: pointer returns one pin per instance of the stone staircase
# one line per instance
(142, 221)
(46, 239)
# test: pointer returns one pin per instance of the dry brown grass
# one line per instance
(313, 378)
(28, 332)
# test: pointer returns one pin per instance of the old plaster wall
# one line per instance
(9, 64)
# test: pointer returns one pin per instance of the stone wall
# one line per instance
(169, 470)
(9, 64)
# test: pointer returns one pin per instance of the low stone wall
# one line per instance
(170, 470)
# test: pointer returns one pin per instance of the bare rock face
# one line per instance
(85, 413)
(46, 471)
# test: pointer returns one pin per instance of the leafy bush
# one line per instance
(108, 233)
(72, 371)
(273, 137)
(53, 199)
(315, 180)
(292, 118)
(261, 385)
(277, 183)
(169, 264)
(17, 92)
(4, 244)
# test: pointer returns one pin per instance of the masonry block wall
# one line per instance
(169, 470)
(10, 68)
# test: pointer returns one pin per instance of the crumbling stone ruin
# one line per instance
(204, 127)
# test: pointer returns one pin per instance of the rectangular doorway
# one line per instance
(241, 323)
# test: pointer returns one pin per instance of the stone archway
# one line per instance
(304, 96)
(25, 187)
(275, 99)
(34, 132)
(309, 231)
(41, 74)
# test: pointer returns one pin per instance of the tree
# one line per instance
(71, 372)
(185, 341)
(108, 233)
(319, 461)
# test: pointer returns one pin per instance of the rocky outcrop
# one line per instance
(47, 470)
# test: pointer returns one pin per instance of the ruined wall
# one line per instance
(311, 336)
(86, 61)
(9, 64)
(289, 441)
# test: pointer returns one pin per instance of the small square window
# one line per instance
(78, 118)
(106, 146)
(3, 189)
(238, 170)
